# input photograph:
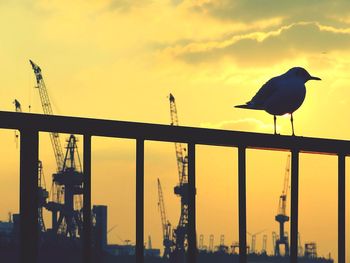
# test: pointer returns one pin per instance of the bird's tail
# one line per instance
(249, 106)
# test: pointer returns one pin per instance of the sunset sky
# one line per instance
(119, 59)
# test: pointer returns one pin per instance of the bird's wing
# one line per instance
(264, 92)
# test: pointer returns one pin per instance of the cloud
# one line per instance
(267, 47)
(126, 5)
(254, 10)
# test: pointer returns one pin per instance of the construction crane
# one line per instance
(300, 247)
(201, 241)
(211, 243)
(67, 189)
(222, 248)
(274, 238)
(281, 216)
(166, 226)
(46, 105)
(234, 246)
(254, 240)
(264, 246)
(43, 194)
(149, 246)
(18, 108)
(180, 233)
(310, 250)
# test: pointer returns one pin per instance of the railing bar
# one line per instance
(123, 129)
(341, 208)
(87, 200)
(29, 196)
(242, 213)
(192, 246)
(294, 207)
(139, 200)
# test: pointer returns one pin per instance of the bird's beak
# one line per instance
(315, 78)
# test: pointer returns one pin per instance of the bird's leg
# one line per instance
(274, 123)
(292, 122)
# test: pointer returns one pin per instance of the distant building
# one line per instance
(6, 227)
(121, 250)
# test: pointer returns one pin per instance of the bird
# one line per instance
(281, 95)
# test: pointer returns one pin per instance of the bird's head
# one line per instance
(301, 73)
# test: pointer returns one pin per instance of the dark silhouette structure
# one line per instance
(166, 226)
(66, 203)
(180, 237)
(282, 217)
(30, 125)
(281, 95)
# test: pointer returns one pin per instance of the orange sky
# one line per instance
(120, 59)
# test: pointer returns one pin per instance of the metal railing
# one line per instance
(30, 125)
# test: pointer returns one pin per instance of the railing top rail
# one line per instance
(168, 133)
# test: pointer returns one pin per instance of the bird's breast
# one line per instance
(287, 99)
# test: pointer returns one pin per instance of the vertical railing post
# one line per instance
(87, 200)
(29, 196)
(242, 212)
(139, 200)
(341, 208)
(294, 207)
(192, 246)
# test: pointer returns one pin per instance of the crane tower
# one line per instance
(166, 226)
(43, 194)
(66, 204)
(282, 217)
(180, 233)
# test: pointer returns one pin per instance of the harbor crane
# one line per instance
(264, 246)
(43, 194)
(180, 232)
(18, 108)
(253, 242)
(46, 105)
(166, 226)
(67, 189)
(281, 216)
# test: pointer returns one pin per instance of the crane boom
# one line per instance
(283, 197)
(67, 189)
(281, 216)
(166, 226)
(180, 150)
(180, 232)
(46, 105)
(162, 207)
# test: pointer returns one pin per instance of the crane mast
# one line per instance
(46, 105)
(179, 149)
(43, 194)
(166, 226)
(283, 198)
(282, 217)
(18, 108)
(180, 233)
(66, 205)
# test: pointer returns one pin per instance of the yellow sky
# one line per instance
(120, 59)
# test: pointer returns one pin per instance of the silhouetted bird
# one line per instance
(282, 94)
